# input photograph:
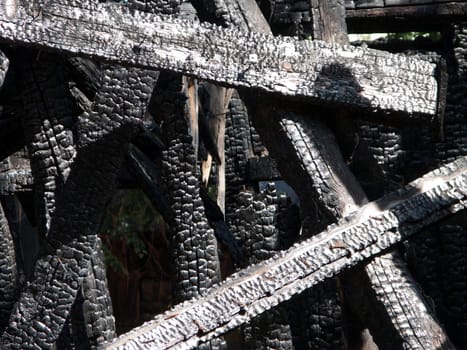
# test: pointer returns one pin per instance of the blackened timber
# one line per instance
(8, 271)
(414, 17)
(354, 76)
(47, 119)
(103, 136)
(375, 227)
(336, 191)
(413, 322)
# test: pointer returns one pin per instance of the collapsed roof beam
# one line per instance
(324, 73)
(375, 227)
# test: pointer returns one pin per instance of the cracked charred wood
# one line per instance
(253, 218)
(316, 170)
(436, 257)
(8, 272)
(49, 113)
(403, 16)
(413, 323)
(294, 17)
(15, 180)
(87, 75)
(103, 134)
(11, 133)
(196, 266)
(222, 231)
(238, 146)
(329, 73)
(375, 227)
(24, 235)
(148, 177)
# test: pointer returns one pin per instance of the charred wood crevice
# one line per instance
(253, 219)
(49, 113)
(103, 134)
(312, 70)
(373, 228)
(8, 272)
(148, 177)
(196, 266)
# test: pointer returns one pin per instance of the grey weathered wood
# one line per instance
(354, 76)
(375, 227)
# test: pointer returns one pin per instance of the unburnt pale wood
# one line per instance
(250, 292)
(354, 76)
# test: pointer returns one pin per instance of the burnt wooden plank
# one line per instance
(409, 17)
(354, 76)
(375, 227)
(340, 194)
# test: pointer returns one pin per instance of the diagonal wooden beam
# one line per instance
(375, 227)
(324, 73)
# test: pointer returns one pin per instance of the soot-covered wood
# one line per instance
(348, 75)
(375, 227)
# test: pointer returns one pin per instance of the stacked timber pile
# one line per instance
(186, 99)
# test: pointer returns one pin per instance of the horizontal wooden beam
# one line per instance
(324, 73)
(405, 16)
(375, 227)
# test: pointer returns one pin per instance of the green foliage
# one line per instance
(129, 215)
(435, 36)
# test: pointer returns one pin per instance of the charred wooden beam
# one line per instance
(47, 119)
(103, 134)
(8, 272)
(357, 77)
(405, 16)
(375, 227)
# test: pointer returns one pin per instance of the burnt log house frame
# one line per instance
(69, 125)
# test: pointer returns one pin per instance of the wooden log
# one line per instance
(324, 73)
(375, 227)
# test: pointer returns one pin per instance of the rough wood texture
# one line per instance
(49, 111)
(375, 227)
(352, 76)
(103, 137)
(4, 63)
(8, 272)
(195, 262)
(340, 193)
(329, 21)
(406, 17)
